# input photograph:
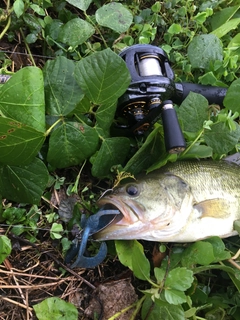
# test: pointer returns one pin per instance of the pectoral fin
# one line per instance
(214, 208)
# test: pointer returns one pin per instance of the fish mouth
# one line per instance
(130, 213)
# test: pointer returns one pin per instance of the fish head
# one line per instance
(152, 204)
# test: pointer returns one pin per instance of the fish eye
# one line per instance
(132, 190)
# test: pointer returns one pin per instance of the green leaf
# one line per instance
(231, 100)
(204, 50)
(103, 76)
(161, 310)
(219, 250)
(149, 152)
(55, 231)
(76, 32)
(105, 116)
(114, 16)
(179, 279)
(18, 7)
(222, 16)
(36, 8)
(124, 250)
(131, 254)
(24, 183)
(80, 4)
(55, 309)
(140, 264)
(113, 152)
(62, 92)
(19, 143)
(159, 273)
(226, 27)
(198, 152)
(22, 98)
(71, 143)
(5, 248)
(193, 112)
(199, 252)
(175, 296)
(14, 215)
(236, 225)
(220, 138)
(175, 28)
(235, 42)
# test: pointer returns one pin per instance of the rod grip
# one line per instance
(211, 93)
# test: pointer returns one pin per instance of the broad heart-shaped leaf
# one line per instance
(103, 76)
(231, 100)
(19, 143)
(5, 248)
(80, 4)
(113, 152)
(220, 138)
(193, 112)
(24, 183)
(105, 115)
(55, 309)
(75, 32)
(205, 49)
(71, 143)
(22, 98)
(131, 254)
(62, 93)
(114, 16)
(161, 310)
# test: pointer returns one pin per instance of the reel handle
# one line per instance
(173, 137)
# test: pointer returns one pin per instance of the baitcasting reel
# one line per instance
(151, 95)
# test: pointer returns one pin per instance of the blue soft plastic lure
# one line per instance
(92, 225)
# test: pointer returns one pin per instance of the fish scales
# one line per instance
(181, 202)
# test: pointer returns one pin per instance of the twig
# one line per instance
(57, 261)
(8, 265)
(17, 303)
(27, 47)
(32, 286)
(234, 263)
(72, 272)
(236, 255)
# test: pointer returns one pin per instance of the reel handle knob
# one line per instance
(174, 140)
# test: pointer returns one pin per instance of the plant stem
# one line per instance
(138, 307)
(137, 304)
(9, 20)
(192, 144)
(5, 28)
(52, 126)
(75, 187)
(97, 29)
(28, 49)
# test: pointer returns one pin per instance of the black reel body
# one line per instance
(151, 95)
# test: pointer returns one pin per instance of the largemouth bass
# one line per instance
(181, 202)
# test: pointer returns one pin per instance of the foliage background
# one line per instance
(66, 78)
